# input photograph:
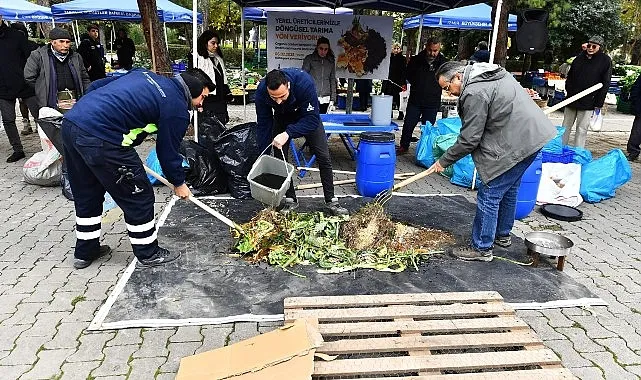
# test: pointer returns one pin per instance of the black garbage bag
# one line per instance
(237, 151)
(64, 182)
(209, 130)
(204, 175)
(51, 127)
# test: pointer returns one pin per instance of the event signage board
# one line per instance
(361, 44)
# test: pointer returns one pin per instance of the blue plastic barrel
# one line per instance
(375, 163)
(526, 198)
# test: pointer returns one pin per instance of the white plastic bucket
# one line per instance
(381, 110)
(271, 165)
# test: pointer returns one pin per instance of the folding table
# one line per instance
(345, 126)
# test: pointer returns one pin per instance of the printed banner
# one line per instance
(361, 44)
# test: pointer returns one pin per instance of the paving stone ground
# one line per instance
(46, 306)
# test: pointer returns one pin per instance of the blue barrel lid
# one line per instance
(377, 136)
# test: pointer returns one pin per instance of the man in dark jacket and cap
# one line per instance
(56, 72)
(590, 67)
(425, 93)
(93, 53)
(14, 50)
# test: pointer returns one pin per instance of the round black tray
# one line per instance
(561, 212)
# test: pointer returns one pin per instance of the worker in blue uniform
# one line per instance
(99, 135)
(287, 107)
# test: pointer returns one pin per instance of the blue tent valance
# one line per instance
(120, 10)
(472, 17)
(21, 10)
(260, 13)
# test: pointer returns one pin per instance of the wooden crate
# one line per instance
(472, 335)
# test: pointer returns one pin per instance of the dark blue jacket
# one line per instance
(635, 97)
(301, 106)
(123, 112)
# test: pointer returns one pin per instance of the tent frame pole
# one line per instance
(495, 29)
(242, 60)
(194, 54)
(418, 38)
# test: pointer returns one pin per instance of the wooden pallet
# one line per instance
(470, 335)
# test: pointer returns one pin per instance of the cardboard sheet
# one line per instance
(285, 353)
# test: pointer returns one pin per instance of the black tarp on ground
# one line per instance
(207, 283)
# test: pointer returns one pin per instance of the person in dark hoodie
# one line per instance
(590, 67)
(99, 135)
(503, 130)
(287, 108)
(634, 141)
(93, 53)
(396, 77)
(481, 54)
(14, 50)
(425, 93)
(125, 49)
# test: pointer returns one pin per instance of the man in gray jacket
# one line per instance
(56, 72)
(504, 130)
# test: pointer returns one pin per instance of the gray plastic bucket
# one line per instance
(271, 165)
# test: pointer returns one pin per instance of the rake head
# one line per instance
(384, 196)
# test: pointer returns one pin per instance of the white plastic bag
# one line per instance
(596, 120)
(43, 168)
(560, 184)
(403, 98)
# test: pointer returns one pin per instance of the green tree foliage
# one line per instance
(584, 19)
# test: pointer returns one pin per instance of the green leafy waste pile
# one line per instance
(367, 239)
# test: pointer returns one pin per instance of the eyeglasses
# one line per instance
(592, 46)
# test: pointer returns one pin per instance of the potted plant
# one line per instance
(623, 102)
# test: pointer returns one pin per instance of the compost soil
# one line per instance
(273, 181)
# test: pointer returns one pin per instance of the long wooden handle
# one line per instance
(413, 178)
(573, 98)
(198, 203)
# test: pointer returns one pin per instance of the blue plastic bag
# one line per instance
(556, 144)
(600, 178)
(441, 144)
(425, 145)
(153, 164)
(463, 172)
(582, 156)
(449, 125)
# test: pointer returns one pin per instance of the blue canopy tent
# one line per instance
(119, 10)
(260, 14)
(21, 10)
(472, 17)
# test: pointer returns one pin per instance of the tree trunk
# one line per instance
(465, 46)
(500, 53)
(44, 27)
(154, 36)
(203, 5)
(635, 52)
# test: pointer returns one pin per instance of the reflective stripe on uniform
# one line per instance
(144, 241)
(129, 138)
(87, 235)
(141, 228)
(88, 221)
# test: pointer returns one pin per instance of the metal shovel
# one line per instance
(198, 203)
